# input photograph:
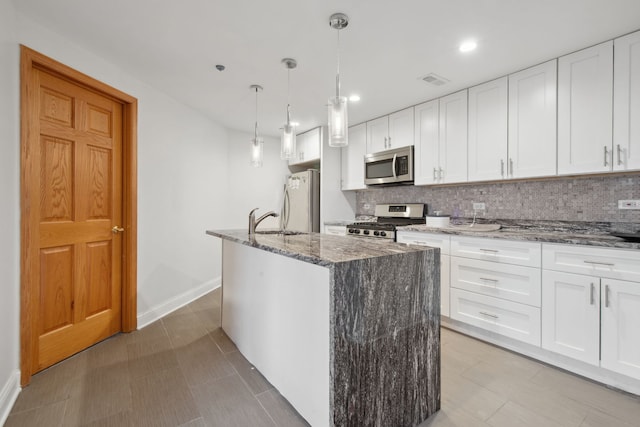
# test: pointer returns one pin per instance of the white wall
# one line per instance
(181, 179)
(254, 187)
(9, 210)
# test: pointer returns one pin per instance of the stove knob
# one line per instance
(356, 231)
(366, 232)
(383, 234)
(376, 233)
(351, 231)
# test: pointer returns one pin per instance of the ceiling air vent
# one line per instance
(434, 79)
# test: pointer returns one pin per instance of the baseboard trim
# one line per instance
(176, 302)
(8, 395)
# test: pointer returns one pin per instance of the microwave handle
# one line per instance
(395, 156)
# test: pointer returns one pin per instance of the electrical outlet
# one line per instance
(628, 204)
(478, 207)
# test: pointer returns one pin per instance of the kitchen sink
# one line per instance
(280, 232)
(474, 227)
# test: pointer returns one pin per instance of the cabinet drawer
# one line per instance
(513, 320)
(512, 282)
(497, 250)
(435, 240)
(601, 262)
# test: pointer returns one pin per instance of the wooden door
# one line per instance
(75, 213)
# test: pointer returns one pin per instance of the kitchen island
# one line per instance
(348, 330)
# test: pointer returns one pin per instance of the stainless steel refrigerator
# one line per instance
(301, 205)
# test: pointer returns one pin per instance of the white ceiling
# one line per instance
(388, 45)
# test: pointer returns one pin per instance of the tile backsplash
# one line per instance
(559, 199)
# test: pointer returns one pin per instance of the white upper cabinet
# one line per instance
(488, 131)
(427, 148)
(307, 147)
(585, 93)
(392, 131)
(532, 122)
(453, 138)
(626, 103)
(353, 158)
(441, 140)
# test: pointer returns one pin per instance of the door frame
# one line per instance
(30, 60)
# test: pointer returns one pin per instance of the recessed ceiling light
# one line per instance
(468, 46)
(354, 98)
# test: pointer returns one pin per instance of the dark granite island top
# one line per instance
(378, 320)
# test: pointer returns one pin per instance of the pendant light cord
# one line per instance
(255, 134)
(338, 68)
(288, 96)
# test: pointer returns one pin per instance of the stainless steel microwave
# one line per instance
(389, 167)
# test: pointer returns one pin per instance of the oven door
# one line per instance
(389, 167)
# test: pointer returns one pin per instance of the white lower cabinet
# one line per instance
(513, 320)
(437, 241)
(591, 318)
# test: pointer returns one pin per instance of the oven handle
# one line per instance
(395, 156)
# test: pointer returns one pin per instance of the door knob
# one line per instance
(116, 229)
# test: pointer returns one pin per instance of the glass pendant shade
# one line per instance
(257, 148)
(338, 121)
(288, 145)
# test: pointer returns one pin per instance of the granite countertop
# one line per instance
(577, 233)
(316, 248)
(339, 222)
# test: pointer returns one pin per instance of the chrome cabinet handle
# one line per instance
(619, 154)
(441, 174)
(599, 263)
(116, 229)
(502, 167)
(606, 296)
(389, 143)
(488, 314)
(591, 292)
(606, 156)
(486, 279)
(489, 250)
(435, 172)
(510, 166)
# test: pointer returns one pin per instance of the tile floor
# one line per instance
(183, 371)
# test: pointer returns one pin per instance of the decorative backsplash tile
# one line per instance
(559, 199)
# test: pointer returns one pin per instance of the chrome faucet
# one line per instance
(253, 222)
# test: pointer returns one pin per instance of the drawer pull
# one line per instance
(488, 314)
(606, 296)
(489, 250)
(591, 298)
(486, 279)
(418, 242)
(599, 263)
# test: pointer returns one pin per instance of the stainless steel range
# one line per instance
(388, 217)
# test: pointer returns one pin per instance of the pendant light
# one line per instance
(256, 142)
(288, 146)
(338, 122)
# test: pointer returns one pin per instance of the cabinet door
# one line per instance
(532, 121)
(453, 137)
(437, 241)
(378, 134)
(426, 149)
(620, 345)
(488, 131)
(626, 103)
(401, 128)
(312, 145)
(585, 92)
(571, 315)
(353, 158)
(301, 148)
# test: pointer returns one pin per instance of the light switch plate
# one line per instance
(628, 204)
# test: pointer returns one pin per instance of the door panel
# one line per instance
(78, 298)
